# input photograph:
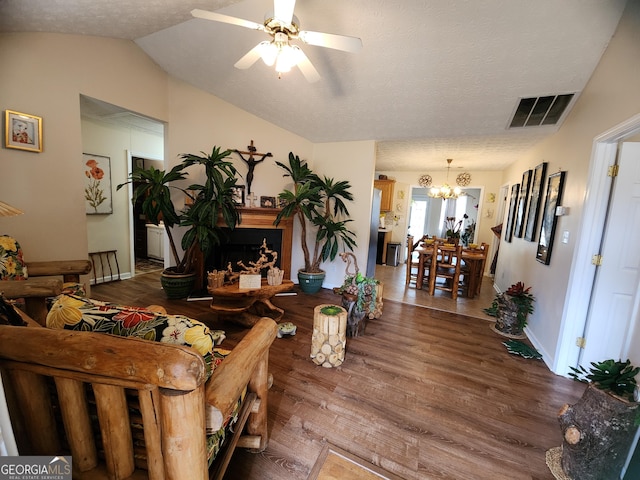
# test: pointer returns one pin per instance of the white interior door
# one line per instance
(613, 310)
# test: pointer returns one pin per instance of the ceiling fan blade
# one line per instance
(283, 10)
(306, 67)
(218, 17)
(329, 40)
(250, 57)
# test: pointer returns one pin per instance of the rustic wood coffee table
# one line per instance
(246, 306)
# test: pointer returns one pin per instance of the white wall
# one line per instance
(352, 161)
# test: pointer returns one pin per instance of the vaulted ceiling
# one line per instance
(435, 79)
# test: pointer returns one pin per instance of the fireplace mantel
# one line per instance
(256, 217)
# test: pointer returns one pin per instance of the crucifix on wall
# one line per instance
(251, 162)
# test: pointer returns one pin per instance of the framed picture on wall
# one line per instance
(535, 199)
(22, 131)
(97, 185)
(521, 207)
(555, 185)
(513, 202)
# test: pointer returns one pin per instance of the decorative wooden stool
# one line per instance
(329, 335)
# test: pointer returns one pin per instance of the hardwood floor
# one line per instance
(424, 393)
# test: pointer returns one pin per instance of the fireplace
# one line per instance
(246, 239)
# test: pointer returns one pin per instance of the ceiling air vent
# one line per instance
(536, 111)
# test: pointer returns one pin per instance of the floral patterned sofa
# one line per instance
(127, 407)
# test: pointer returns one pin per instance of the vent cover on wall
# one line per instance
(536, 111)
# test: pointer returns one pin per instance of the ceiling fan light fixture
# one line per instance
(268, 53)
(287, 58)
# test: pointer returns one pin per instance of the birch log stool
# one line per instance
(329, 335)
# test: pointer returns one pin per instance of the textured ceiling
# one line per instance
(435, 79)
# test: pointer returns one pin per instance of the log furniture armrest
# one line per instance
(69, 269)
(41, 284)
(246, 367)
(76, 373)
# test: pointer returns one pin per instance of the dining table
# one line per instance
(474, 258)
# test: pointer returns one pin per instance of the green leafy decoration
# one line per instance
(517, 347)
(611, 375)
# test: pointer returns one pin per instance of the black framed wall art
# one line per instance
(513, 201)
(535, 199)
(555, 185)
(521, 206)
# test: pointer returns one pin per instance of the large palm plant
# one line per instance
(209, 201)
(319, 202)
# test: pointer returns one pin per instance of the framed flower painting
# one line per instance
(23, 131)
(97, 187)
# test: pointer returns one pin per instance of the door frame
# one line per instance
(589, 238)
(132, 250)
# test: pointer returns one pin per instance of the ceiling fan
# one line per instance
(283, 26)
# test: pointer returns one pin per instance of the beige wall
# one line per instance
(47, 75)
(611, 97)
(111, 232)
(44, 74)
(488, 181)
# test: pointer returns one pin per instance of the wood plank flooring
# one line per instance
(424, 394)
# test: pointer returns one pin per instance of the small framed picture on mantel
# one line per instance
(268, 202)
(238, 195)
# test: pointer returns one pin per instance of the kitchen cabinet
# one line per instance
(155, 242)
(386, 202)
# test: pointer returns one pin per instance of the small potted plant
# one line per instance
(599, 429)
(511, 309)
(361, 297)
(452, 229)
(319, 204)
(207, 204)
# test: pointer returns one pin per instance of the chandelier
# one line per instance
(445, 191)
(280, 52)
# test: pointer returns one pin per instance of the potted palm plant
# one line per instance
(318, 203)
(206, 204)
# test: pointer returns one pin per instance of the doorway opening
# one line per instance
(428, 215)
(113, 132)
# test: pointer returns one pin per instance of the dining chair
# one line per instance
(447, 269)
(429, 256)
(472, 267)
(484, 248)
(413, 258)
(412, 261)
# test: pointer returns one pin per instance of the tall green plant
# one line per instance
(317, 202)
(153, 187)
(210, 201)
